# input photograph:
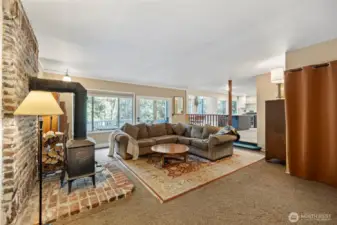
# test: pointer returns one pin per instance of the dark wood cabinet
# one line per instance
(275, 130)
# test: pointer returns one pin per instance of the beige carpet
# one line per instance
(178, 178)
(259, 194)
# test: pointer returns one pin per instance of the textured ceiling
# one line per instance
(177, 43)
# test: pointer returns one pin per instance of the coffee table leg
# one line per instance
(185, 157)
(162, 160)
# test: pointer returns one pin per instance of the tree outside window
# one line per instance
(107, 113)
(221, 107)
(202, 106)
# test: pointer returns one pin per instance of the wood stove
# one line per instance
(80, 152)
(80, 160)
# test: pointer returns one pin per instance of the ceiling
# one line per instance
(189, 44)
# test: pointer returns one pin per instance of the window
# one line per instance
(190, 105)
(108, 112)
(201, 109)
(221, 107)
(234, 108)
(153, 110)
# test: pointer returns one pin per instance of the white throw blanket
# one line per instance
(132, 149)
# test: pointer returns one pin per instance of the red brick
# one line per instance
(99, 190)
(53, 198)
(63, 199)
(74, 209)
(73, 198)
(52, 205)
(85, 203)
(73, 194)
(92, 193)
(111, 180)
(111, 195)
(63, 211)
(50, 215)
(119, 193)
(103, 198)
(107, 189)
(94, 201)
(83, 195)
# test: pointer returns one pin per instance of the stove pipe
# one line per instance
(80, 100)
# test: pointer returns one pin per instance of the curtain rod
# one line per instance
(313, 66)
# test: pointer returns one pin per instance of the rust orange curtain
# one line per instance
(311, 120)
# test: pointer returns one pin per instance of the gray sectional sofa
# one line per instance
(202, 141)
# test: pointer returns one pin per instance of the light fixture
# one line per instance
(277, 77)
(66, 77)
(39, 103)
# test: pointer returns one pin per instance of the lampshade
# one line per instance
(39, 103)
(277, 76)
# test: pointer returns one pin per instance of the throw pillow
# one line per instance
(143, 133)
(179, 129)
(196, 131)
(208, 130)
(169, 129)
(131, 130)
(157, 130)
(188, 129)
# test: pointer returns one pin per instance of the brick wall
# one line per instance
(19, 145)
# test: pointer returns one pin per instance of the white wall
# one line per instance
(311, 55)
(265, 90)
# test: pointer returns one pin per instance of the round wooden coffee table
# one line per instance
(170, 150)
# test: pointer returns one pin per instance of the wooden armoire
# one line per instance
(275, 130)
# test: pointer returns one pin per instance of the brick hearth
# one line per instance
(111, 185)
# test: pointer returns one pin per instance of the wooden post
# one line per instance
(230, 102)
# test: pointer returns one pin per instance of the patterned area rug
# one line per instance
(177, 177)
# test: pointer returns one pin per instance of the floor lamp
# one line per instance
(39, 103)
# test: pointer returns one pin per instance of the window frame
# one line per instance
(169, 106)
(111, 94)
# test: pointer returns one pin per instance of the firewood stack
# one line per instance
(53, 152)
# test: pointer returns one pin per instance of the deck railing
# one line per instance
(210, 119)
(101, 125)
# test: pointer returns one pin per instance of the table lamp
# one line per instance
(39, 103)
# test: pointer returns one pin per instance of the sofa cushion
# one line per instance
(188, 129)
(147, 142)
(179, 129)
(131, 130)
(208, 130)
(169, 129)
(157, 130)
(200, 143)
(196, 131)
(184, 140)
(143, 133)
(165, 139)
